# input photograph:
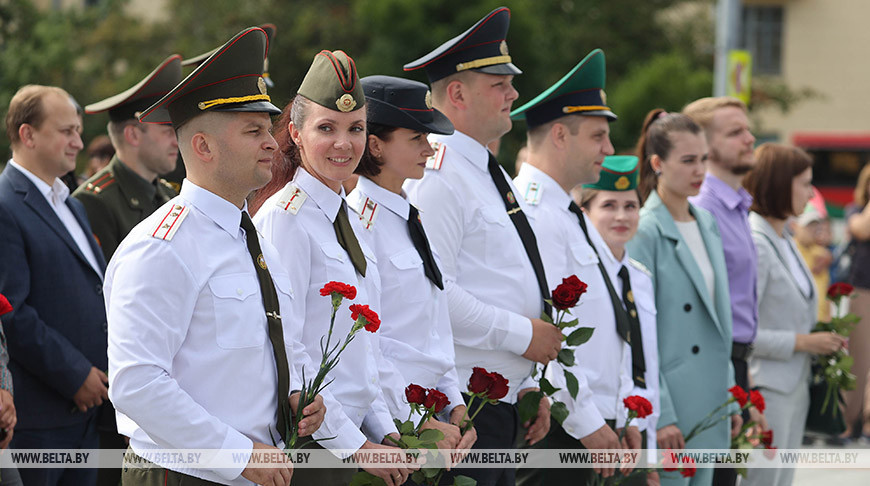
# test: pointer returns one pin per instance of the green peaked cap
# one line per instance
(618, 173)
(333, 82)
(581, 91)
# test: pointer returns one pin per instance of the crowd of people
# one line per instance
(150, 316)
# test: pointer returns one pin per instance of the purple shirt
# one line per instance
(731, 210)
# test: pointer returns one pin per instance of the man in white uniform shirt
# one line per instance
(568, 138)
(193, 354)
(488, 251)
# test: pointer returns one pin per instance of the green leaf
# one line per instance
(529, 404)
(418, 477)
(548, 387)
(566, 357)
(580, 336)
(572, 384)
(546, 318)
(431, 472)
(431, 436)
(406, 428)
(464, 481)
(559, 412)
(567, 324)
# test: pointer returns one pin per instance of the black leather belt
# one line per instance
(741, 351)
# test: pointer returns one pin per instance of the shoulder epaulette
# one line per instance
(640, 266)
(100, 184)
(434, 162)
(367, 209)
(292, 199)
(532, 193)
(170, 222)
(169, 185)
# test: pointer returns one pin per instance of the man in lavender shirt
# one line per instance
(726, 127)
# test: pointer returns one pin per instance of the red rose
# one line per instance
(770, 452)
(688, 470)
(840, 289)
(347, 291)
(739, 395)
(372, 321)
(767, 439)
(757, 400)
(639, 405)
(499, 387)
(415, 394)
(480, 380)
(435, 398)
(567, 293)
(5, 306)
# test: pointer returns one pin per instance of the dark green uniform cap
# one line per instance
(481, 48)
(332, 81)
(618, 173)
(269, 29)
(230, 79)
(581, 91)
(127, 105)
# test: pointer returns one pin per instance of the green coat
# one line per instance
(117, 199)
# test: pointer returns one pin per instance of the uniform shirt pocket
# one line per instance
(337, 262)
(500, 248)
(240, 318)
(586, 262)
(410, 279)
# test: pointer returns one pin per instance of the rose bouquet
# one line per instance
(565, 297)
(836, 369)
(638, 407)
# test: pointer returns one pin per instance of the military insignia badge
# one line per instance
(503, 48)
(170, 222)
(346, 103)
(434, 162)
(622, 183)
(533, 193)
(262, 262)
(261, 85)
(510, 197)
(603, 97)
(630, 296)
(428, 100)
(291, 199)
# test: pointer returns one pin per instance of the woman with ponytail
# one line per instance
(681, 247)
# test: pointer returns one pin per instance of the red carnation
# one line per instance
(840, 289)
(415, 394)
(347, 291)
(499, 387)
(767, 439)
(688, 470)
(739, 395)
(435, 398)
(757, 400)
(639, 405)
(5, 306)
(480, 380)
(372, 321)
(567, 293)
(668, 463)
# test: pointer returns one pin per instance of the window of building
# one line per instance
(761, 35)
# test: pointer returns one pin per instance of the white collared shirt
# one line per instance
(605, 360)
(190, 361)
(491, 286)
(308, 248)
(56, 195)
(418, 339)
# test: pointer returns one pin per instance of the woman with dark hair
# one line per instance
(302, 211)
(419, 339)
(681, 246)
(781, 184)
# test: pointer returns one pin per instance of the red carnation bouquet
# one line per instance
(738, 395)
(836, 369)
(363, 318)
(565, 297)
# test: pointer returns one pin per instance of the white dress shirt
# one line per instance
(190, 361)
(491, 286)
(418, 339)
(56, 195)
(603, 364)
(308, 248)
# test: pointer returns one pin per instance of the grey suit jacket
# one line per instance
(783, 312)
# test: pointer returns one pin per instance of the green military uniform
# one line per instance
(117, 199)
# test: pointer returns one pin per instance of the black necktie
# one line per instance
(638, 363)
(623, 327)
(421, 243)
(347, 240)
(524, 229)
(273, 316)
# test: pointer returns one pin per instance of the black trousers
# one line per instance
(727, 476)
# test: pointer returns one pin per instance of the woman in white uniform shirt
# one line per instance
(613, 206)
(321, 137)
(781, 184)
(418, 339)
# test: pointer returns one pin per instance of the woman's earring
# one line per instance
(657, 173)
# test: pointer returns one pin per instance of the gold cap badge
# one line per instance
(261, 85)
(428, 99)
(503, 48)
(603, 97)
(345, 103)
